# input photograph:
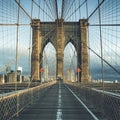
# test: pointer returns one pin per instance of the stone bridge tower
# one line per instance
(62, 34)
(60, 38)
(84, 51)
(36, 50)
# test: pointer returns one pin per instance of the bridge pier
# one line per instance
(60, 38)
(84, 51)
(36, 50)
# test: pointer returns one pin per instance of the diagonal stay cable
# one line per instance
(9, 64)
(104, 60)
(96, 9)
(43, 10)
(51, 11)
(48, 33)
(23, 9)
(52, 6)
(76, 9)
(43, 37)
(67, 11)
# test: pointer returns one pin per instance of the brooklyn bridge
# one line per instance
(59, 59)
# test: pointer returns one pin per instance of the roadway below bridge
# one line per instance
(59, 102)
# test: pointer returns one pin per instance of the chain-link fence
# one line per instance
(105, 104)
(12, 103)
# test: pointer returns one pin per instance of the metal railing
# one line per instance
(104, 104)
(13, 103)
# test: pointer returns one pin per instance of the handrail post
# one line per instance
(18, 103)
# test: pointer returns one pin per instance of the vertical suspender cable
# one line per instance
(16, 65)
(76, 37)
(43, 41)
(29, 59)
(101, 46)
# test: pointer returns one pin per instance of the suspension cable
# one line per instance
(23, 9)
(76, 9)
(42, 10)
(95, 9)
